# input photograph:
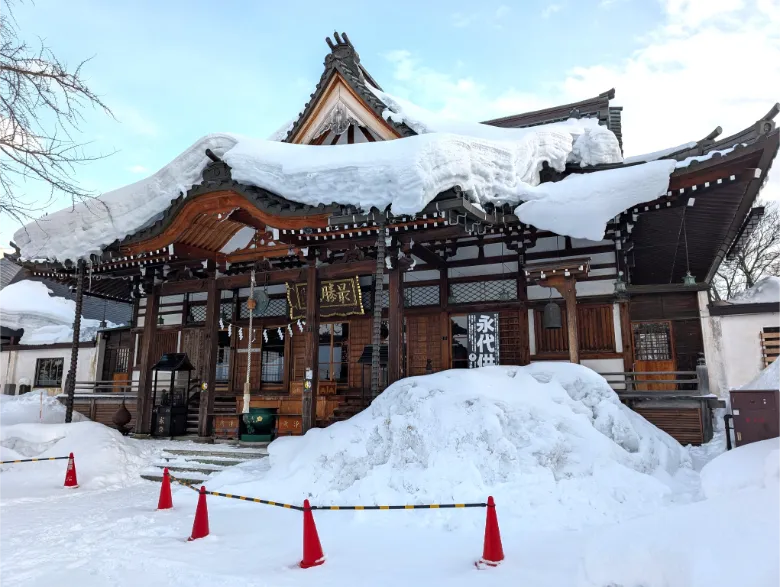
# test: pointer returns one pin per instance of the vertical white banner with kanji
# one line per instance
(483, 339)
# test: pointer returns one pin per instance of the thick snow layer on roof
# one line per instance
(658, 154)
(581, 205)
(84, 229)
(593, 144)
(551, 441)
(281, 133)
(45, 319)
(768, 378)
(490, 164)
(707, 156)
(766, 290)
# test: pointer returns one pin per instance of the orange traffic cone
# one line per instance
(166, 501)
(312, 549)
(493, 551)
(70, 474)
(200, 527)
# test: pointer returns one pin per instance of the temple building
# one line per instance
(371, 241)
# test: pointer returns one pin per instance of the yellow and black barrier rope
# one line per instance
(33, 460)
(433, 506)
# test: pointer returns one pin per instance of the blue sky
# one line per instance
(173, 71)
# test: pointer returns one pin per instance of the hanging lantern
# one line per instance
(551, 319)
(689, 279)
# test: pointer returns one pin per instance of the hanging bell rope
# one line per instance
(250, 304)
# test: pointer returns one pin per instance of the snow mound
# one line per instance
(551, 441)
(768, 378)
(754, 465)
(45, 319)
(766, 290)
(33, 407)
(104, 458)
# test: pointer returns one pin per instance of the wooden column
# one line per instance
(395, 322)
(210, 343)
(376, 327)
(143, 422)
(312, 331)
(566, 286)
(70, 381)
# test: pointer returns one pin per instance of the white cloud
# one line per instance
(550, 9)
(503, 11)
(455, 96)
(138, 169)
(712, 62)
(460, 20)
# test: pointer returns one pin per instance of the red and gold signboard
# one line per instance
(338, 297)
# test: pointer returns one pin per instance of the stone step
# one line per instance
(259, 452)
(187, 468)
(206, 460)
(159, 477)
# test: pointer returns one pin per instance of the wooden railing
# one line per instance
(117, 387)
(660, 381)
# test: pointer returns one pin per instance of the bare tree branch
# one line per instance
(41, 107)
(758, 258)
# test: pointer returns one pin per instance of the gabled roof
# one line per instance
(344, 61)
(596, 107)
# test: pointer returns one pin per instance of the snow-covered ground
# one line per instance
(589, 495)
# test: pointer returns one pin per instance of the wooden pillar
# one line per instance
(143, 423)
(70, 381)
(395, 322)
(309, 399)
(376, 332)
(210, 344)
(444, 322)
(566, 286)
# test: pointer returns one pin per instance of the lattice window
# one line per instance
(48, 372)
(196, 314)
(226, 311)
(483, 291)
(426, 295)
(276, 307)
(652, 341)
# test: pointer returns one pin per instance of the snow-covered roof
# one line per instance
(45, 319)
(766, 290)
(490, 164)
(655, 155)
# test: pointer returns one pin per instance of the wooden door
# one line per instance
(654, 355)
(423, 343)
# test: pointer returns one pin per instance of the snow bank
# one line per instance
(768, 378)
(730, 540)
(33, 407)
(766, 290)
(45, 319)
(754, 465)
(490, 164)
(104, 458)
(550, 441)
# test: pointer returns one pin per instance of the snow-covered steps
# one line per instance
(194, 465)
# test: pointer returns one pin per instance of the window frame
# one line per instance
(38, 365)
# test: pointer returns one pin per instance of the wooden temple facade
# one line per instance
(345, 302)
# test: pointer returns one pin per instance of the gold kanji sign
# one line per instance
(338, 297)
